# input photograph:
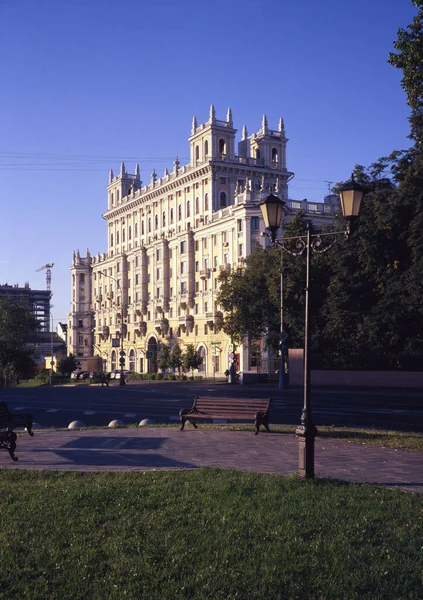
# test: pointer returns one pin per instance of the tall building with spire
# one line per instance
(168, 241)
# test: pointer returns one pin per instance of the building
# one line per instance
(168, 240)
(37, 301)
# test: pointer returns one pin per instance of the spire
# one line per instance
(153, 176)
(166, 172)
(264, 128)
(137, 172)
(229, 117)
(111, 176)
(122, 169)
(281, 126)
(194, 125)
(212, 114)
(176, 164)
(244, 132)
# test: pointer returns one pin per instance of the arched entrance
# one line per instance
(202, 354)
(113, 362)
(152, 355)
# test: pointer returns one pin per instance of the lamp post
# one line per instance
(272, 209)
(51, 382)
(122, 352)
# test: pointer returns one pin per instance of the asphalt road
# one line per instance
(162, 401)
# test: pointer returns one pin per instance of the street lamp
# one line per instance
(122, 353)
(272, 209)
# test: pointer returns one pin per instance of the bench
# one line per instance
(240, 409)
(9, 421)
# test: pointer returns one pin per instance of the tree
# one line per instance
(176, 358)
(410, 60)
(190, 359)
(66, 364)
(164, 358)
(16, 324)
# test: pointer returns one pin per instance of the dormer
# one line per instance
(214, 140)
(267, 146)
(122, 185)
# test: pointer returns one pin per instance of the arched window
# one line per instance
(117, 195)
(188, 209)
(142, 228)
(222, 147)
(171, 215)
(197, 152)
(113, 365)
(112, 198)
(206, 202)
(179, 212)
(197, 205)
(222, 198)
(123, 235)
(202, 354)
(275, 156)
(132, 360)
(111, 239)
(149, 224)
(257, 154)
(156, 222)
(206, 148)
(130, 233)
(136, 230)
(117, 237)
(164, 219)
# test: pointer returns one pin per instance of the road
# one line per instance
(161, 401)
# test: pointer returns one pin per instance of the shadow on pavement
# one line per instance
(115, 443)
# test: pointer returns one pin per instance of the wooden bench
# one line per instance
(239, 409)
(9, 421)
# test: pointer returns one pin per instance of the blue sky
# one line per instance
(89, 83)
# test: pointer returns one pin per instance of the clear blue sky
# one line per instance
(88, 83)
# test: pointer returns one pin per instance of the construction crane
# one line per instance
(48, 266)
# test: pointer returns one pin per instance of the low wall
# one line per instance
(388, 379)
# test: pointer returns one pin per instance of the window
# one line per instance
(111, 239)
(255, 222)
(239, 224)
(257, 154)
(118, 268)
(117, 237)
(171, 215)
(183, 267)
(117, 195)
(206, 202)
(205, 243)
(183, 247)
(188, 209)
(164, 220)
(197, 245)
(179, 212)
(196, 330)
(132, 360)
(206, 329)
(81, 278)
(129, 233)
(123, 235)
(275, 157)
(197, 152)
(240, 250)
(159, 254)
(197, 266)
(222, 147)
(197, 287)
(142, 228)
(183, 287)
(156, 222)
(206, 148)
(137, 261)
(136, 229)
(80, 339)
(149, 224)
(197, 205)
(222, 198)
(223, 180)
(80, 323)
(159, 292)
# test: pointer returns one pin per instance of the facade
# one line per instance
(37, 301)
(167, 243)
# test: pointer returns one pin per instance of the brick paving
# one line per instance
(168, 448)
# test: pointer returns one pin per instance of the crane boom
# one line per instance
(47, 266)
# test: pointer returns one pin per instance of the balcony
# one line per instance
(204, 273)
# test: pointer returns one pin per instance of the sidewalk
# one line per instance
(168, 448)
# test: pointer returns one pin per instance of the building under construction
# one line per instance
(37, 301)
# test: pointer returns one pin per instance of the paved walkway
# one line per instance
(168, 448)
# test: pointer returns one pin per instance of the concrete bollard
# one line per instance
(76, 425)
(146, 422)
(116, 423)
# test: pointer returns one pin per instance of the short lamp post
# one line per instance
(272, 209)
(122, 329)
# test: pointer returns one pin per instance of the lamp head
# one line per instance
(272, 210)
(351, 194)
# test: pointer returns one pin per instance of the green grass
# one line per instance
(205, 534)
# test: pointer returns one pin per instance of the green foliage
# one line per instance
(409, 59)
(16, 325)
(164, 358)
(162, 535)
(66, 364)
(190, 358)
(176, 357)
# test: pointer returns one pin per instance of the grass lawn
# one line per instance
(205, 533)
